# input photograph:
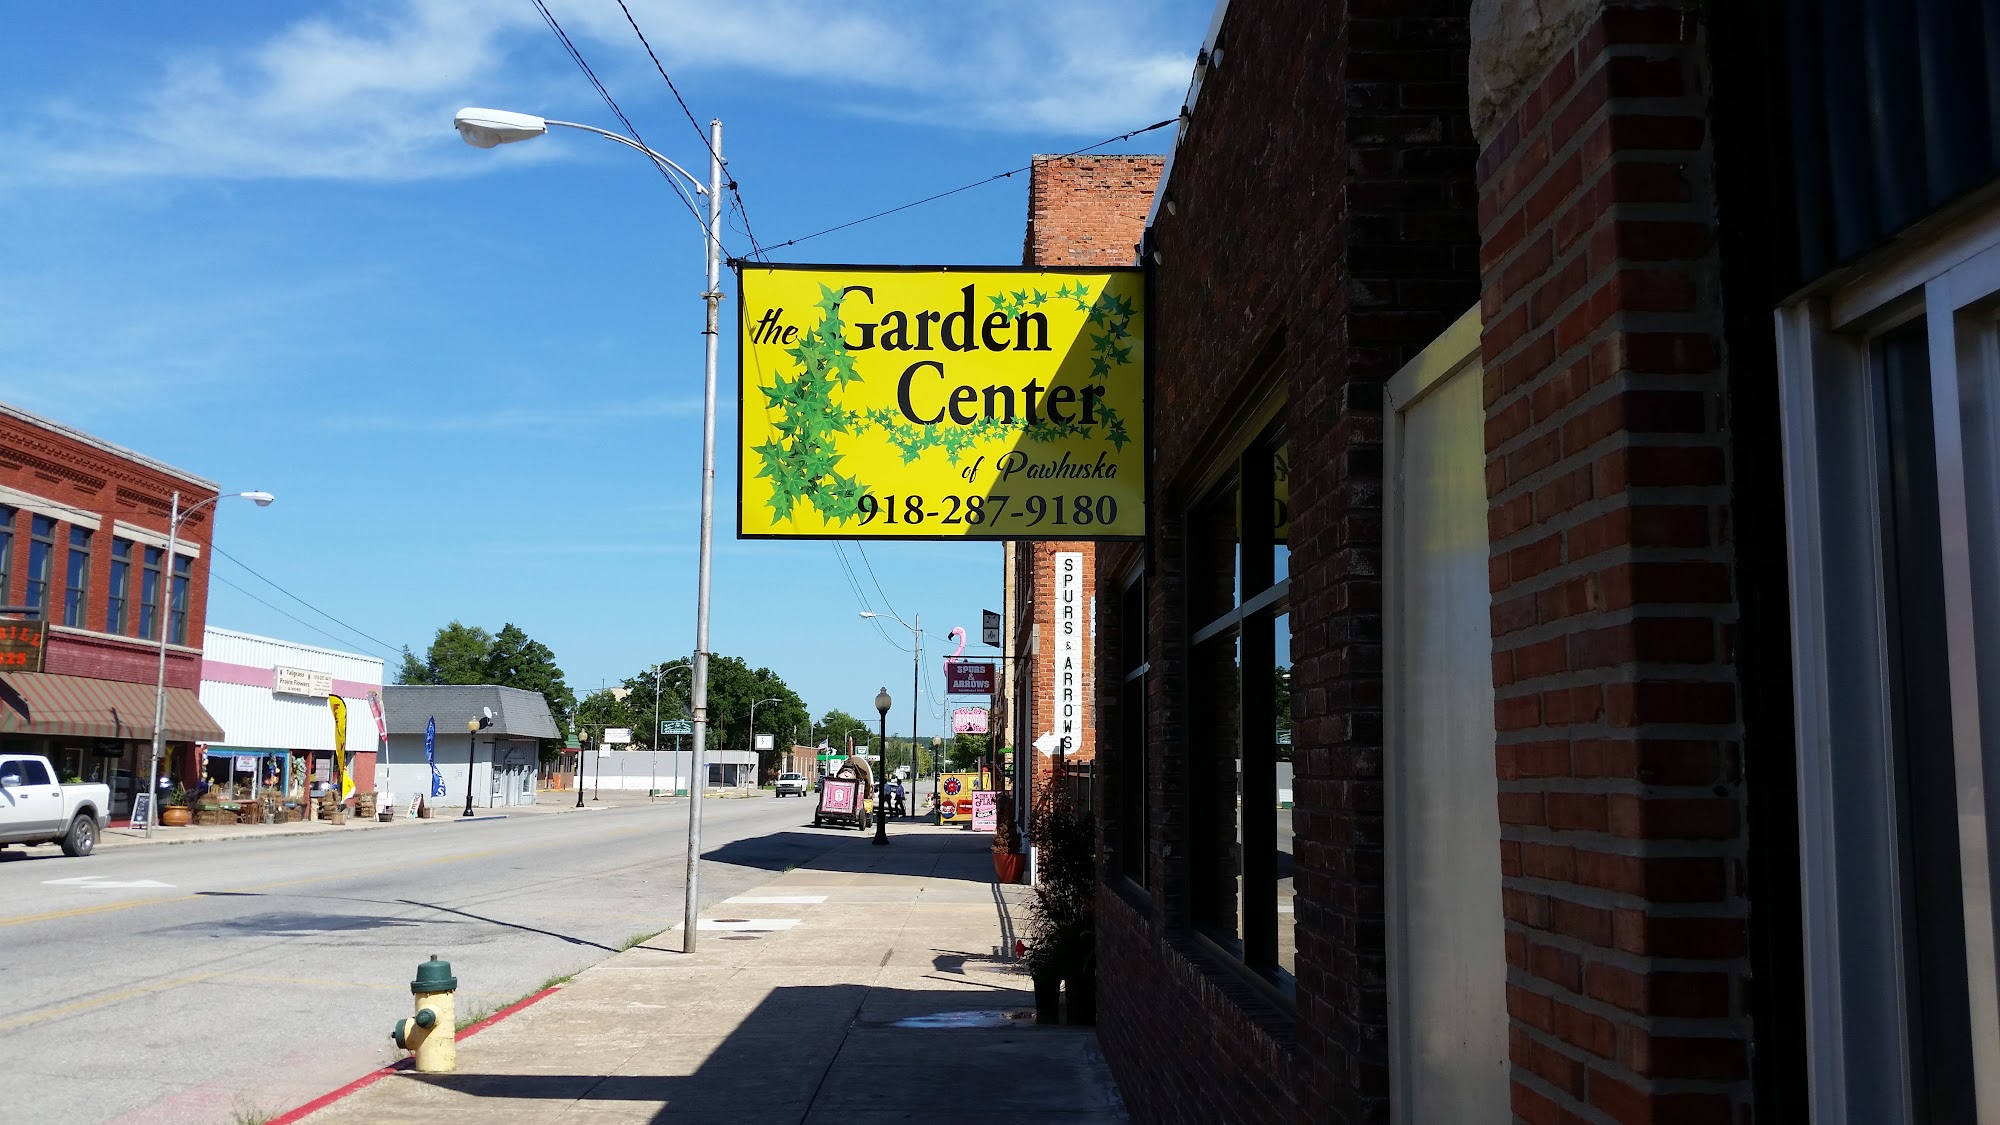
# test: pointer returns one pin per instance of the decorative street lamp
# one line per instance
(472, 729)
(937, 781)
(882, 704)
(176, 517)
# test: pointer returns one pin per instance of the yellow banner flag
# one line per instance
(339, 706)
(932, 403)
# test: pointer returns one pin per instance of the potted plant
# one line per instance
(176, 813)
(1007, 857)
(1062, 942)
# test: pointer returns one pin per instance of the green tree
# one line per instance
(457, 655)
(732, 687)
(835, 725)
(672, 688)
(468, 654)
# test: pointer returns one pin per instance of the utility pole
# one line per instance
(698, 690)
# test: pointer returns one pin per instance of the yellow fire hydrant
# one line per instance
(431, 1034)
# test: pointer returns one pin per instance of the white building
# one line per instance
(271, 699)
(503, 759)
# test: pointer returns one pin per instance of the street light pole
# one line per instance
(163, 617)
(582, 748)
(937, 782)
(472, 729)
(483, 128)
(882, 705)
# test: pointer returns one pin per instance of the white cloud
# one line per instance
(367, 92)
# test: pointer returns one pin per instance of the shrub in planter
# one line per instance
(1062, 934)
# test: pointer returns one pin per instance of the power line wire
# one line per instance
(274, 609)
(576, 56)
(968, 187)
(305, 603)
(755, 249)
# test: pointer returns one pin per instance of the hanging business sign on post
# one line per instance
(989, 628)
(941, 403)
(968, 677)
(968, 720)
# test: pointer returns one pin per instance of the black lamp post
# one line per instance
(583, 748)
(882, 704)
(937, 782)
(472, 729)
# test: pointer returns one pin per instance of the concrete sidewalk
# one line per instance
(872, 985)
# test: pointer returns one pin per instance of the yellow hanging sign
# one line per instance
(941, 403)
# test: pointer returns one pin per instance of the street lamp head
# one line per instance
(486, 128)
(261, 499)
(472, 726)
(882, 701)
(869, 613)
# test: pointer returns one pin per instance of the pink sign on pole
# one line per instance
(968, 677)
(968, 720)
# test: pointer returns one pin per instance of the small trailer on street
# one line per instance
(844, 797)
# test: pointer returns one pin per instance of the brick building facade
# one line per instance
(1635, 662)
(1082, 211)
(85, 543)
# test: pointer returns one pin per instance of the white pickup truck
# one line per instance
(36, 809)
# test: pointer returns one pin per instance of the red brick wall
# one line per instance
(1611, 566)
(1082, 210)
(1323, 232)
(55, 466)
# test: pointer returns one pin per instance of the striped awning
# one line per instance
(81, 707)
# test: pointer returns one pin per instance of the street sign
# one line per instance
(677, 726)
(989, 628)
(763, 742)
(617, 736)
(968, 677)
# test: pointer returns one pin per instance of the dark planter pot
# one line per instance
(1080, 989)
(1048, 998)
(1007, 866)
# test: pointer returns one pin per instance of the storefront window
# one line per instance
(41, 552)
(1240, 643)
(149, 593)
(183, 571)
(1133, 804)
(119, 585)
(76, 590)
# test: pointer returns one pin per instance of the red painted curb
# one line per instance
(374, 1076)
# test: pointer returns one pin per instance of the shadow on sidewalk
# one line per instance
(917, 850)
(835, 1054)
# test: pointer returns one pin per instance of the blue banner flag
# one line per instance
(430, 755)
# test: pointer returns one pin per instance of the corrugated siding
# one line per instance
(255, 716)
(231, 647)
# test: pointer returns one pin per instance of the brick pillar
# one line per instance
(1615, 698)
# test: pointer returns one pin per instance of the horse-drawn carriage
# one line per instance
(847, 798)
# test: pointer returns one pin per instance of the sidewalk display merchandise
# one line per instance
(1062, 936)
(1007, 857)
(955, 797)
(844, 798)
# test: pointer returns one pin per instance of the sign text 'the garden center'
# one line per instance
(928, 403)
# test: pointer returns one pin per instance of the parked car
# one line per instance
(791, 785)
(35, 808)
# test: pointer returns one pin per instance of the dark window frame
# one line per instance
(179, 586)
(76, 578)
(1236, 735)
(1135, 855)
(7, 515)
(118, 585)
(41, 561)
(151, 580)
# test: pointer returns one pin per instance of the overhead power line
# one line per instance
(755, 250)
(282, 613)
(968, 187)
(576, 56)
(384, 645)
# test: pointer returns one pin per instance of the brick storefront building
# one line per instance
(1572, 430)
(1082, 211)
(83, 540)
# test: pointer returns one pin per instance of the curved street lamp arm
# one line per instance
(664, 163)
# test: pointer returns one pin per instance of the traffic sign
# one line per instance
(677, 726)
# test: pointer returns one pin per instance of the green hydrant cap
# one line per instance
(434, 976)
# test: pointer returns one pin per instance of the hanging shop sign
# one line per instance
(968, 677)
(941, 403)
(21, 645)
(1069, 672)
(989, 628)
(968, 720)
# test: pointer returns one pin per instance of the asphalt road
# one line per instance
(227, 981)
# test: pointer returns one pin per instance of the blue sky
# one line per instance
(243, 238)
